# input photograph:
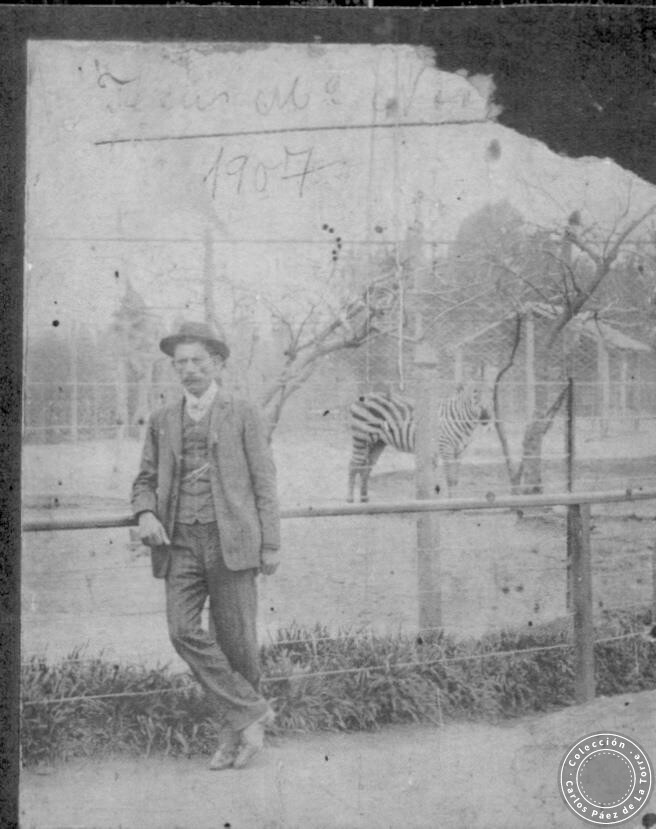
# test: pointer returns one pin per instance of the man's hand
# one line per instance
(151, 531)
(270, 561)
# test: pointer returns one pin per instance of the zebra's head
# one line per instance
(477, 398)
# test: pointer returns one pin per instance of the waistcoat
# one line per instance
(195, 500)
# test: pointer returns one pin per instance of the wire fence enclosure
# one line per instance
(90, 410)
(553, 569)
(489, 558)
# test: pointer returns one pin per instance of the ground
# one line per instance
(460, 775)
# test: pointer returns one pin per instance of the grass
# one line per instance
(455, 680)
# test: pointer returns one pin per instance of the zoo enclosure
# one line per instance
(579, 582)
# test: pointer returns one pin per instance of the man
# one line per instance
(205, 498)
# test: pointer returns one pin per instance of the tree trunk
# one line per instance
(532, 457)
(514, 472)
(531, 464)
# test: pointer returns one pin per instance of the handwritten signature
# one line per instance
(268, 99)
(131, 93)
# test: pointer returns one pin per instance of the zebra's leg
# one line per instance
(358, 464)
(375, 452)
(452, 469)
(364, 484)
(353, 471)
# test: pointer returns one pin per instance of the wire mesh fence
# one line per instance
(393, 319)
(609, 451)
(310, 354)
(497, 571)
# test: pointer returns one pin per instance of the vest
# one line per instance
(195, 502)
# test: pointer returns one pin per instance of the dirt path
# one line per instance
(460, 775)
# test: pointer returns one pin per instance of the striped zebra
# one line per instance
(380, 420)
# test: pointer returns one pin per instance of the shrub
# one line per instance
(352, 681)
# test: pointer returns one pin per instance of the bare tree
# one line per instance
(548, 283)
(320, 331)
(356, 302)
(576, 294)
(568, 290)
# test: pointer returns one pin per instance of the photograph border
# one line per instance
(485, 40)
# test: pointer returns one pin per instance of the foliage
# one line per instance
(133, 335)
(82, 383)
(171, 722)
(354, 681)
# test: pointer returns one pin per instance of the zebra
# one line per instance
(379, 420)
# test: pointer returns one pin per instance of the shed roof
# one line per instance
(587, 323)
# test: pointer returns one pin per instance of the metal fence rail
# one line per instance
(71, 520)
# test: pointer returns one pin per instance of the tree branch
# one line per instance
(523, 279)
(603, 266)
(513, 474)
(351, 329)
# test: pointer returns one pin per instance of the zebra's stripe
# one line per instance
(378, 417)
(390, 420)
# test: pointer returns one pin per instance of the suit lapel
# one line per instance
(218, 412)
(174, 427)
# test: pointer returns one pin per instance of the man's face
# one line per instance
(195, 366)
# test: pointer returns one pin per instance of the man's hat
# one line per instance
(195, 331)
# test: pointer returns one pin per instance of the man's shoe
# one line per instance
(223, 758)
(225, 754)
(252, 739)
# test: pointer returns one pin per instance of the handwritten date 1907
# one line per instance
(246, 174)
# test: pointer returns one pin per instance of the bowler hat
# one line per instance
(195, 331)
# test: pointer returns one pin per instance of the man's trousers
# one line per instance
(225, 664)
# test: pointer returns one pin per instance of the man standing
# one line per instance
(206, 502)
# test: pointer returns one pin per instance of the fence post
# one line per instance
(569, 452)
(425, 362)
(578, 549)
(428, 530)
(571, 448)
(653, 582)
(73, 333)
(603, 373)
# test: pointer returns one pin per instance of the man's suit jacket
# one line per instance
(243, 479)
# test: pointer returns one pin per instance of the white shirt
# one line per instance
(197, 407)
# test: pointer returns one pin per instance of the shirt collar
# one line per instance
(201, 404)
